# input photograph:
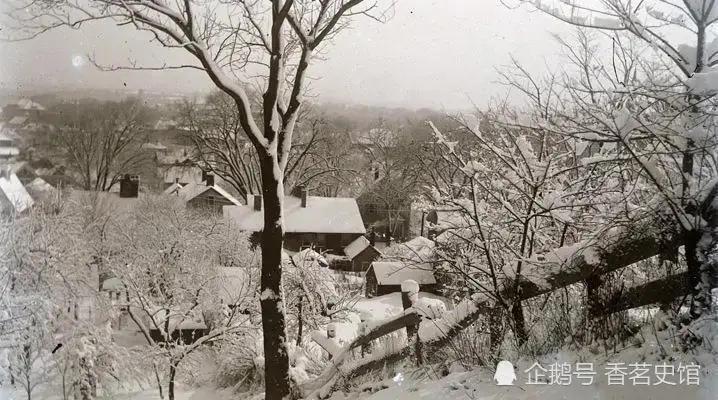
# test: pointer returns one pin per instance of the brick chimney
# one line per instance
(257, 203)
(209, 180)
(129, 186)
(303, 195)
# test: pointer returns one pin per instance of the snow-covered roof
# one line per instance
(419, 249)
(154, 146)
(192, 190)
(13, 194)
(321, 215)
(27, 104)
(17, 120)
(374, 137)
(354, 248)
(173, 189)
(394, 273)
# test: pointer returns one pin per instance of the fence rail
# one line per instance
(613, 250)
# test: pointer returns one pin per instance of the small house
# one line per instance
(323, 223)
(203, 196)
(361, 254)
(384, 277)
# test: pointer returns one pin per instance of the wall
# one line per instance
(209, 201)
(363, 260)
(332, 242)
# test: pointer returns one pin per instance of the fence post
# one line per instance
(365, 321)
(409, 297)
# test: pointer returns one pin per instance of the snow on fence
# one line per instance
(615, 249)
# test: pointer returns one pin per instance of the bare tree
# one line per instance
(100, 141)
(650, 22)
(167, 269)
(229, 43)
(316, 158)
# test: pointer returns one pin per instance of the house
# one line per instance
(325, 223)
(23, 108)
(206, 195)
(361, 254)
(8, 145)
(14, 198)
(384, 277)
(22, 169)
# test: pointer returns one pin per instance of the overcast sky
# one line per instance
(433, 53)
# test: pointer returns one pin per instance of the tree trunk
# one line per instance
(517, 313)
(301, 322)
(159, 382)
(171, 384)
(693, 264)
(276, 365)
(495, 316)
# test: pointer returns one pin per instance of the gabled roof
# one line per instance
(14, 194)
(394, 273)
(154, 146)
(17, 120)
(322, 215)
(27, 104)
(173, 189)
(192, 190)
(355, 248)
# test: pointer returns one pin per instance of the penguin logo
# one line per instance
(505, 375)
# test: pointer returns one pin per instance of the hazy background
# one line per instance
(433, 53)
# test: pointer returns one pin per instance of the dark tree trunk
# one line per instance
(276, 365)
(171, 385)
(594, 305)
(693, 264)
(495, 316)
(301, 322)
(517, 313)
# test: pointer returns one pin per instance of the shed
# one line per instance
(384, 277)
(361, 254)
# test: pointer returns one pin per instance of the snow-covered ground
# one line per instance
(479, 384)
(380, 308)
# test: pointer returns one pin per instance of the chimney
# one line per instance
(257, 203)
(204, 175)
(177, 181)
(209, 180)
(129, 186)
(303, 196)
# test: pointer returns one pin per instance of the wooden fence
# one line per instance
(612, 250)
